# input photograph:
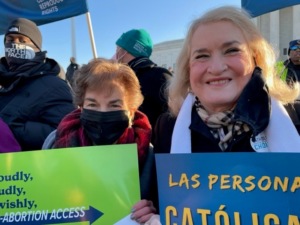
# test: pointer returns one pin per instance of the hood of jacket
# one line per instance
(254, 104)
(141, 63)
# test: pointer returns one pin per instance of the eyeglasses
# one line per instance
(295, 47)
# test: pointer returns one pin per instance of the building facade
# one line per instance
(278, 27)
(165, 54)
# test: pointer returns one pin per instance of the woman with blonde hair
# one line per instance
(225, 95)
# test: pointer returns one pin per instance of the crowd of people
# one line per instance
(227, 94)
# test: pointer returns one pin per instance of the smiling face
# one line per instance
(220, 65)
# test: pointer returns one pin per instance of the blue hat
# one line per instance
(293, 43)
(136, 42)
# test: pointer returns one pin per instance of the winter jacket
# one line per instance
(252, 108)
(70, 72)
(152, 79)
(71, 132)
(33, 100)
(288, 71)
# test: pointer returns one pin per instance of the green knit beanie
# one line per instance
(136, 42)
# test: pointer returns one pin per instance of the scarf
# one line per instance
(281, 134)
(221, 124)
(70, 133)
(11, 77)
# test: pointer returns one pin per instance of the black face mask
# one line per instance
(104, 128)
(17, 54)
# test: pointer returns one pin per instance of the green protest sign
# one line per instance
(97, 184)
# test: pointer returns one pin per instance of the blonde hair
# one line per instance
(261, 51)
(105, 74)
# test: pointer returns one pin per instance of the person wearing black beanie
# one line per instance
(26, 28)
(289, 70)
(33, 98)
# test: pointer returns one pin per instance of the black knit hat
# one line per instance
(26, 28)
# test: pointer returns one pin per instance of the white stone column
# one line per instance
(274, 29)
(296, 22)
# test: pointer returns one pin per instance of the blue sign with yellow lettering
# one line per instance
(229, 188)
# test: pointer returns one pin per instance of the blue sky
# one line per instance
(165, 20)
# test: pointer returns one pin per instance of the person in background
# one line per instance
(71, 69)
(134, 48)
(33, 98)
(224, 90)
(108, 95)
(289, 70)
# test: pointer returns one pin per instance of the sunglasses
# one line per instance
(295, 47)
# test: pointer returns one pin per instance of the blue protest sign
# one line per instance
(39, 11)
(257, 8)
(229, 188)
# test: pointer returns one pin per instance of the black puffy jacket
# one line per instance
(152, 79)
(33, 100)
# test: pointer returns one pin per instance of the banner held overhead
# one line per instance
(258, 7)
(39, 11)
